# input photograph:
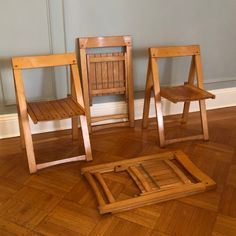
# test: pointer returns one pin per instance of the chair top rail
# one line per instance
(30, 62)
(106, 41)
(174, 51)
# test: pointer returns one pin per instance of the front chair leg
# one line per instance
(74, 123)
(28, 143)
(160, 121)
(147, 97)
(203, 113)
(86, 138)
(185, 112)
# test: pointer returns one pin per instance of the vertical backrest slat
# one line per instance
(98, 72)
(110, 73)
(104, 73)
(91, 73)
(121, 71)
(106, 70)
(116, 72)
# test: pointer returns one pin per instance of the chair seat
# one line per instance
(185, 93)
(54, 110)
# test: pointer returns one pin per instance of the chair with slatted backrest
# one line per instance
(183, 93)
(107, 73)
(70, 107)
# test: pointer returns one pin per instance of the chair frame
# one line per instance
(101, 42)
(150, 188)
(21, 63)
(153, 83)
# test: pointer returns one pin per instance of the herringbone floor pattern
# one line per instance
(58, 200)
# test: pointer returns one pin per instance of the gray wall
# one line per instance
(50, 26)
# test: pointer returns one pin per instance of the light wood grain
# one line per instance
(70, 107)
(59, 201)
(107, 73)
(183, 93)
(175, 51)
(169, 188)
(24, 120)
(43, 61)
(109, 41)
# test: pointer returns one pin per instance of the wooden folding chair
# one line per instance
(70, 107)
(146, 180)
(184, 93)
(107, 74)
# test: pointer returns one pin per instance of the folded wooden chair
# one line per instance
(184, 93)
(107, 74)
(70, 107)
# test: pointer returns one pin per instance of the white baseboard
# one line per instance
(224, 98)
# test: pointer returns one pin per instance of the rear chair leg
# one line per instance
(86, 138)
(203, 113)
(28, 143)
(160, 122)
(185, 113)
(147, 97)
(75, 131)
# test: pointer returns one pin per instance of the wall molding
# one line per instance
(224, 98)
(219, 80)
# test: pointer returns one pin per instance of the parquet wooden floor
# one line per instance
(58, 200)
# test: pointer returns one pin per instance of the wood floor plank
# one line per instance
(70, 218)
(144, 216)
(225, 225)
(9, 228)
(58, 200)
(227, 204)
(157, 233)
(28, 207)
(7, 189)
(231, 180)
(116, 227)
(208, 200)
(54, 182)
(183, 219)
(81, 194)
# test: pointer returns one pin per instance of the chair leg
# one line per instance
(28, 143)
(22, 138)
(88, 117)
(157, 95)
(74, 123)
(146, 105)
(131, 110)
(185, 112)
(203, 113)
(86, 138)
(87, 101)
(160, 121)
(74, 120)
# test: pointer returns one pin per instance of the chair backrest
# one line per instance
(105, 73)
(31, 62)
(178, 51)
(43, 61)
(175, 51)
